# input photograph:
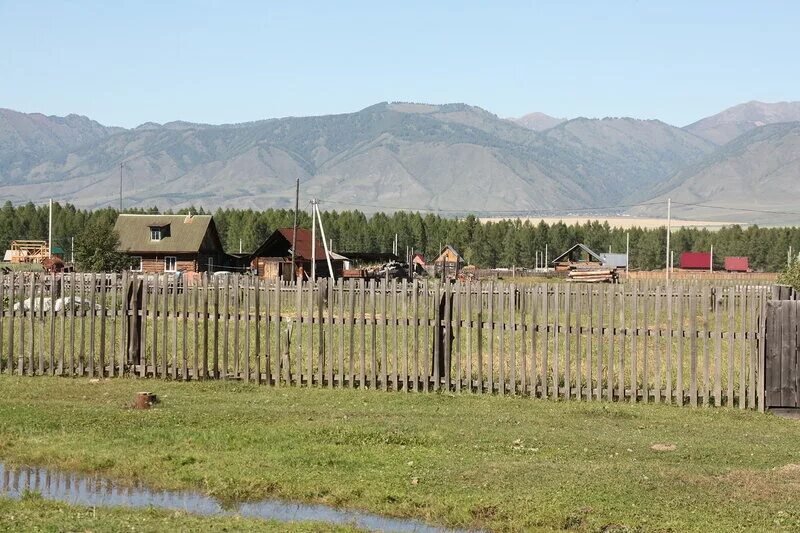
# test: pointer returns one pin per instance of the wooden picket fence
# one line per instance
(642, 341)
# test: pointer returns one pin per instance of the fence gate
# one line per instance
(782, 379)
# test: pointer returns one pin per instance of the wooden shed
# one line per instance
(579, 255)
(273, 259)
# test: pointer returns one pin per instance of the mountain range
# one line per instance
(454, 158)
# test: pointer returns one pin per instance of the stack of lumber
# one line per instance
(354, 273)
(595, 275)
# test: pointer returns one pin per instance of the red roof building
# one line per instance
(695, 261)
(737, 264)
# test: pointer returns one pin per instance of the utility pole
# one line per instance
(72, 240)
(711, 262)
(545, 258)
(120, 186)
(669, 231)
(324, 241)
(313, 240)
(50, 231)
(627, 252)
(294, 227)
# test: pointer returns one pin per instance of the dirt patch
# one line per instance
(484, 512)
(775, 483)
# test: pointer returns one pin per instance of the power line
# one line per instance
(737, 209)
(558, 212)
(529, 212)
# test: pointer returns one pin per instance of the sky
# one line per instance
(124, 63)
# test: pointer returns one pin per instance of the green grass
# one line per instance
(32, 513)
(507, 464)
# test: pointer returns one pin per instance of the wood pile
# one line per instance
(354, 273)
(594, 275)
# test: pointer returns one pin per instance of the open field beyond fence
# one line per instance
(684, 343)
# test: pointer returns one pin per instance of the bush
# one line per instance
(791, 276)
(96, 250)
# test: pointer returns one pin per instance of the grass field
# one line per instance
(505, 464)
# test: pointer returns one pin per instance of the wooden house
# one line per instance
(273, 259)
(579, 255)
(171, 243)
(449, 262)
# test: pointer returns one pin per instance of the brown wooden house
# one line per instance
(273, 259)
(171, 243)
(579, 256)
(449, 262)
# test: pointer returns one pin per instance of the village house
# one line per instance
(273, 259)
(449, 262)
(171, 243)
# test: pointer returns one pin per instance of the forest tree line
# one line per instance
(495, 244)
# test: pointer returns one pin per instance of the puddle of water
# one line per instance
(78, 489)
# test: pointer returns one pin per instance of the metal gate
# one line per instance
(782, 379)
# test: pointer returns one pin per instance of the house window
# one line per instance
(159, 232)
(137, 265)
(170, 263)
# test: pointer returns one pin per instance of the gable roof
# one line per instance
(279, 244)
(187, 233)
(447, 248)
(578, 246)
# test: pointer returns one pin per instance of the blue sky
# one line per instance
(124, 63)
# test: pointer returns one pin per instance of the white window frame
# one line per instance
(138, 259)
(156, 234)
(174, 263)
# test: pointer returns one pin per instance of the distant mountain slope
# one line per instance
(435, 156)
(538, 121)
(453, 157)
(635, 154)
(28, 138)
(733, 122)
(758, 171)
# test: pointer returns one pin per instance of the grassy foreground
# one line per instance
(499, 463)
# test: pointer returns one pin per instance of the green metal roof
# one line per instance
(187, 234)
